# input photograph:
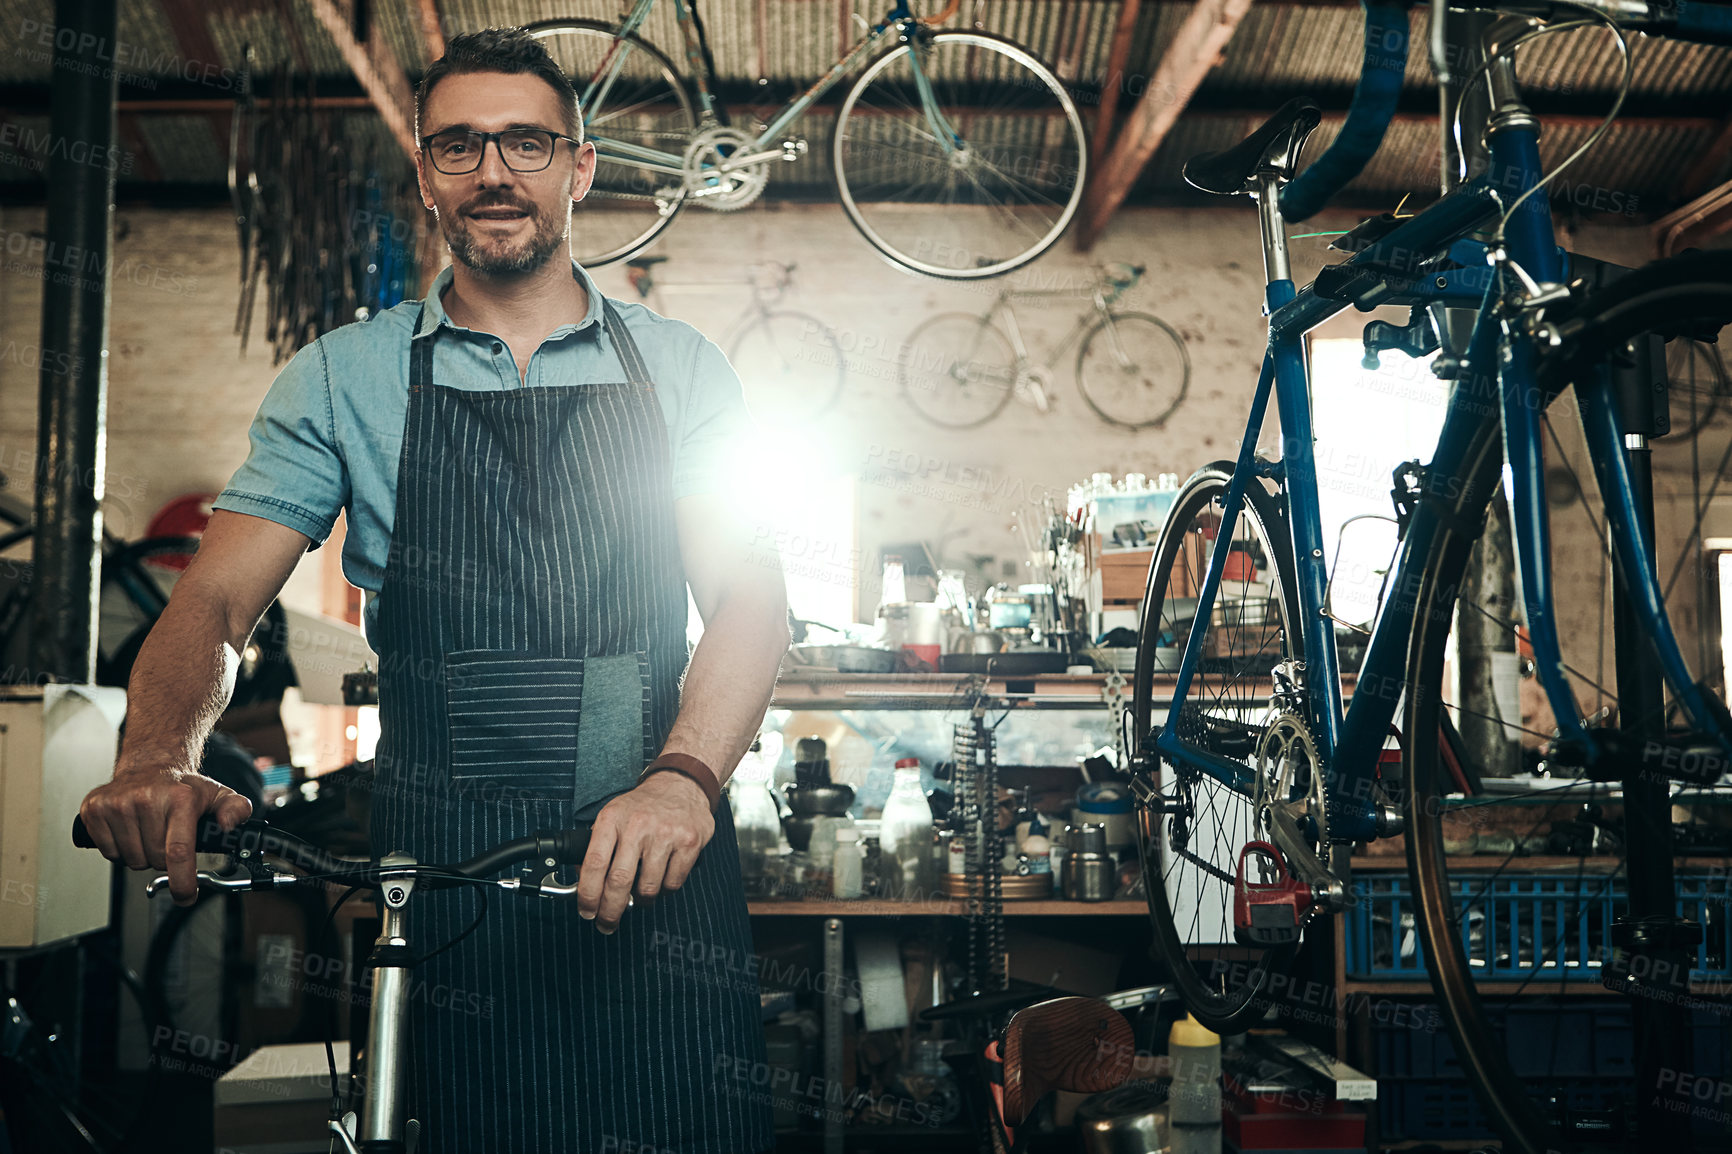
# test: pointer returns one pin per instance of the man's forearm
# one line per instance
(181, 682)
(730, 680)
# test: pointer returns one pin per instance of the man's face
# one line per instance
(498, 221)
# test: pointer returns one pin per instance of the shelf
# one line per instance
(826, 689)
(1539, 863)
(873, 908)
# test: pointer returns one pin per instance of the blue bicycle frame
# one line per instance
(1348, 743)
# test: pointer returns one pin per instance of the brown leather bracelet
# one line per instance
(686, 765)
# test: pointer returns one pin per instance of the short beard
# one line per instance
(493, 261)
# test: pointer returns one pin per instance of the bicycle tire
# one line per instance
(777, 354)
(617, 184)
(874, 152)
(1226, 999)
(1164, 344)
(993, 379)
(1448, 905)
(1698, 387)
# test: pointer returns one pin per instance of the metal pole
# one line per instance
(74, 381)
(1662, 1026)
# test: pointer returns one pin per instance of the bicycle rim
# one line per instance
(957, 370)
(1133, 370)
(1514, 887)
(791, 366)
(959, 190)
(1190, 858)
(640, 102)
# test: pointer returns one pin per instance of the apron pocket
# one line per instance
(514, 722)
(610, 734)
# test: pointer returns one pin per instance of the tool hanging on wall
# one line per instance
(328, 213)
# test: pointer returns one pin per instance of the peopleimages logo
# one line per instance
(37, 41)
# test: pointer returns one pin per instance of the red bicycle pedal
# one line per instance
(1268, 913)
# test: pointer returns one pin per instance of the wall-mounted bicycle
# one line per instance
(956, 154)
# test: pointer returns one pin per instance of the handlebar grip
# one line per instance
(567, 845)
(211, 836)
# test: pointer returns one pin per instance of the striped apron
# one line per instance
(532, 641)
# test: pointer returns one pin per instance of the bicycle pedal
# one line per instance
(1270, 913)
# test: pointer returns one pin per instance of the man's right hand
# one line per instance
(148, 819)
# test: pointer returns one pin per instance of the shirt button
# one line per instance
(497, 347)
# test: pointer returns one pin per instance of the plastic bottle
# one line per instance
(846, 870)
(1195, 1053)
(757, 825)
(905, 838)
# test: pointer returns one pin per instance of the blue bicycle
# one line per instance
(1259, 777)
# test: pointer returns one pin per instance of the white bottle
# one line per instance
(1195, 1053)
(846, 872)
(905, 838)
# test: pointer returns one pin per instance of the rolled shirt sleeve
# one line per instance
(716, 426)
(294, 473)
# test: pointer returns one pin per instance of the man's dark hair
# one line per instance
(510, 50)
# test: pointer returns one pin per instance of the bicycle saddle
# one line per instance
(1077, 1044)
(1274, 147)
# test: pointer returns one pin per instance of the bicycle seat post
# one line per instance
(1266, 187)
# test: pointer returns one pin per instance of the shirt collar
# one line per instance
(433, 308)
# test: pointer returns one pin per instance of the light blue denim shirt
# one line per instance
(330, 431)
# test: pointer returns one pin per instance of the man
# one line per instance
(528, 470)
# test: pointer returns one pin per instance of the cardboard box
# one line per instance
(57, 743)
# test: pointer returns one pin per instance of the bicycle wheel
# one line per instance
(1133, 370)
(1193, 830)
(957, 370)
(1696, 375)
(631, 97)
(976, 179)
(791, 366)
(1515, 884)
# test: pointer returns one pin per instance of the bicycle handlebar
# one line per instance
(1368, 117)
(254, 839)
(1385, 66)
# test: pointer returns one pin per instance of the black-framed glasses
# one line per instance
(458, 151)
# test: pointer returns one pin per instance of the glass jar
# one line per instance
(905, 838)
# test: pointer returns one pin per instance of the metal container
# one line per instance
(1089, 877)
(1090, 837)
(1129, 1120)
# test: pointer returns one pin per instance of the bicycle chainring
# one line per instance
(1288, 769)
(737, 189)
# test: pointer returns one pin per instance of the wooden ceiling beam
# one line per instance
(1118, 56)
(375, 66)
(1193, 51)
(432, 28)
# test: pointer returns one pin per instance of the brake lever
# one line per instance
(548, 888)
(225, 884)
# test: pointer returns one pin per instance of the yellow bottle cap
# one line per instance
(1190, 1032)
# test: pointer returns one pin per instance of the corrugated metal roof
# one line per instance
(766, 50)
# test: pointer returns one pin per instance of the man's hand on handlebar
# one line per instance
(148, 819)
(652, 836)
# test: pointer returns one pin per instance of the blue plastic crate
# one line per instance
(1547, 928)
(1446, 1109)
(1589, 1037)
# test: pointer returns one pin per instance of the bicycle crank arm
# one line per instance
(1326, 889)
(733, 163)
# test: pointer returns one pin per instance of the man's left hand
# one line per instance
(652, 836)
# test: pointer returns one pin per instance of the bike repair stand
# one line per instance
(1651, 946)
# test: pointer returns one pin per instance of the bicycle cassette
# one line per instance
(729, 192)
